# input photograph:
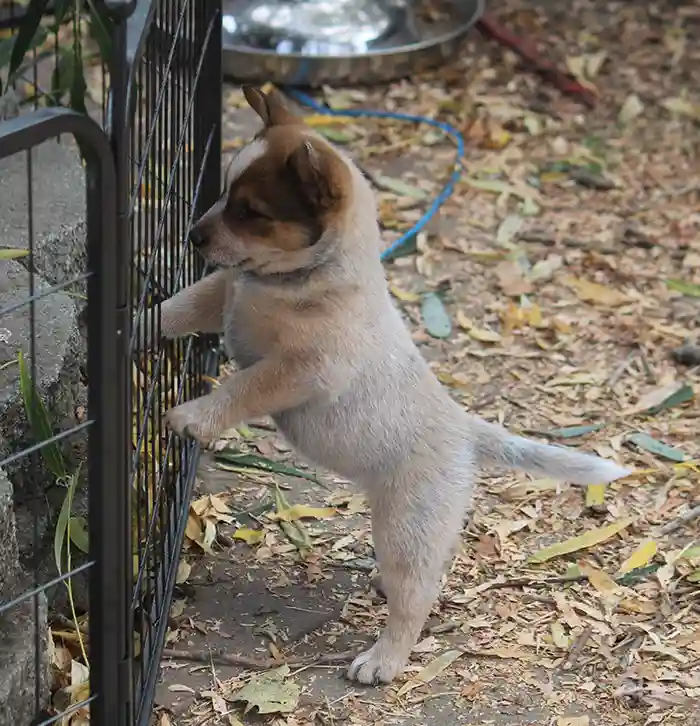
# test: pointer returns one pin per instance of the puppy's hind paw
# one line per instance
(375, 666)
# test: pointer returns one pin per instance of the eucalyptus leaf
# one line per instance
(690, 289)
(59, 536)
(435, 318)
(399, 187)
(78, 531)
(11, 254)
(337, 136)
(253, 461)
(658, 448)
(573, 432)
(39, 423)
(25, 40)
(682, 395)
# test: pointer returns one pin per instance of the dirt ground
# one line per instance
(563, 278)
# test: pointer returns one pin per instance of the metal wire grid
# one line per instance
(173, 176)
(106, 647)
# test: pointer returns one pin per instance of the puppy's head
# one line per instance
(286, 188)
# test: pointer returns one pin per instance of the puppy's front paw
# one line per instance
(376, 665)
(194, 418)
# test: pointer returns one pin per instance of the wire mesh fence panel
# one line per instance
(173, 176)
(62, 620)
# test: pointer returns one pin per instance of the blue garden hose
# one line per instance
(446, 128)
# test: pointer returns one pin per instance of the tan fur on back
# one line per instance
(302, 300)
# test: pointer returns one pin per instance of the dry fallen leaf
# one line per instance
(433, 669)
(631, 108)
(641, 557)
(583, 541)
(596, 293)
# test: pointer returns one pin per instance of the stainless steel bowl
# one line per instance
(312, 42)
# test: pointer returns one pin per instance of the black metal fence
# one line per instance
(94, 491)
(174, 167)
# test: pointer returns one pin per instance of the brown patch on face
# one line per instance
(271, 203)
(279, 206)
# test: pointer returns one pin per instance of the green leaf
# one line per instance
(10, 254)
(39, 423)
(61, 530)
(253, 461)
(60, 10)
(62, 77)
(637, 575)
(78, 533)
(694, 576)
(399, 187)
(25, 40)
(7, 46)
(684, 394)
(101, 30)
(337, 136)
(572, 432)
(435, 318)
(687, 288)
(647, 443)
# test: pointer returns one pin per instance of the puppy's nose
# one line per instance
(196, 237)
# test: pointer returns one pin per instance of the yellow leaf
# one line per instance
(433, 669)
(595, 293)
(640, 557)
(183, 571)
(600, 580)
(303, 511)
(200, 506)
(248, 535)
(320, 119)
(682, 107)
(485, 336)
(12, 254)
(463, 321)
(497, 138)
(193, 530)
(404, 295)
(595, 495)
(583, 541)
(219, 504)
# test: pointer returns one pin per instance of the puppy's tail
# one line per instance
(494, 445)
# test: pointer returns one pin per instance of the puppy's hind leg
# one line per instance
(415, 526)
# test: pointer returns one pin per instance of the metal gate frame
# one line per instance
(108, 643)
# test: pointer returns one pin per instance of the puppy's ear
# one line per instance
(321, 175)
(271, 108)
(257, 101)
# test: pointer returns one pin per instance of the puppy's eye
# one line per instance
(243, 211)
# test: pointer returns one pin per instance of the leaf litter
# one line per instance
(553, 304)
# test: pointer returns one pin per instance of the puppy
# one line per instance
(301, 297)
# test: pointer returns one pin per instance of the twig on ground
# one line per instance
(221, 657)
(678, 522)
(576, 649)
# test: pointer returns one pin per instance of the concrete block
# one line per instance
(24, 680)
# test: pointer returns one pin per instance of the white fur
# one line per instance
(244, 158)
